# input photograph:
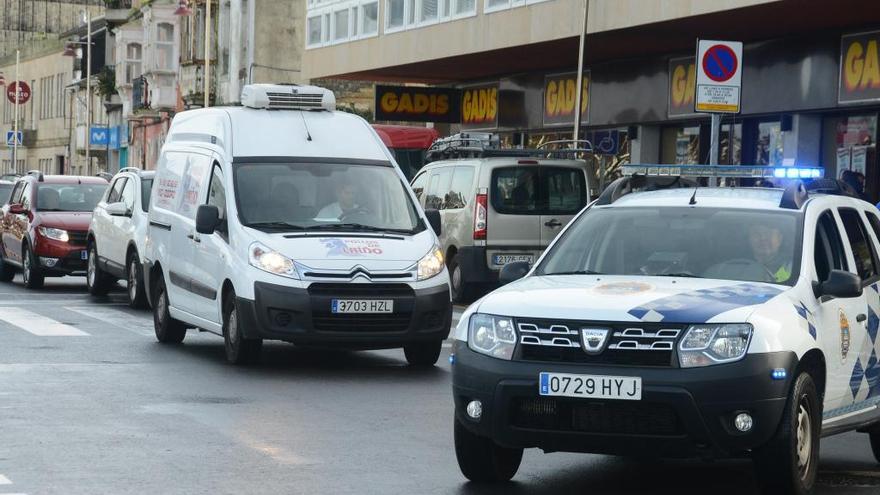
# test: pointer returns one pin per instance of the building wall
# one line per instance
(25, 23)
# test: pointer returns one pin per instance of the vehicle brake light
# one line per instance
(480, 216)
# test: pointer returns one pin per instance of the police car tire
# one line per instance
(777, 462)
(423, 354)
(483, 461)
(875, 442)
(99, 284)
(239, 350)
(7, 273)
(168, 330)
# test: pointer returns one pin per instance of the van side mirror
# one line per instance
(840, 284)
(118, 209)
(207, 219)
(434, 220)
(512, 272)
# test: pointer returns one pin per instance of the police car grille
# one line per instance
(608, 417)
(629, 344)
(323, 319)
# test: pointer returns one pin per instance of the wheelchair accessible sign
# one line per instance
(719, 76)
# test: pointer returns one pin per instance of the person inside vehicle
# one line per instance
(50, 200)
(766, 243)
(345, 202)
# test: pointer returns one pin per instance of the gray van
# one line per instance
(497, 209)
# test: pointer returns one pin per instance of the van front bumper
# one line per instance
(302, 316)
(683, 412)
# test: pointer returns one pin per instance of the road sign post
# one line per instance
(718, 85)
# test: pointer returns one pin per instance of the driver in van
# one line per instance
(766, 241)
(344, 202)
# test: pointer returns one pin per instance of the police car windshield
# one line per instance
(277, 197)
(748, 245)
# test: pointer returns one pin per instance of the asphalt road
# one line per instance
(90, 403)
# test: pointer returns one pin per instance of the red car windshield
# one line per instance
(69, 197)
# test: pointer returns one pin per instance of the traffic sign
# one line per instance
(9, 138)
(20, 88)
(719, 78)
(606, 142)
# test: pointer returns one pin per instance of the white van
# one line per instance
(285, 220)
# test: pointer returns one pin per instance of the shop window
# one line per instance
(730, 145)
(769, 147)
(681, 145)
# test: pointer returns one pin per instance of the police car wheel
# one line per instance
(875, 442)
(789, 462)
(423, 354)
(239, 350)
(483, 461)
(168, 330)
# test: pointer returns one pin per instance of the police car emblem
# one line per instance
(593, 340)
(844, 335)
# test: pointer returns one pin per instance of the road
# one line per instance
(90, 403)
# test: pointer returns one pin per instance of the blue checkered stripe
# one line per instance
(807, 317)
(865, 379)
(699, 306)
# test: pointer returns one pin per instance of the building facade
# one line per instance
(810, 91)
(25, 25)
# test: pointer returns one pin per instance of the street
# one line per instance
(91, 403)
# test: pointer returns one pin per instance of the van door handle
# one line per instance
(194, 237)
(553, 223)
(861, 317)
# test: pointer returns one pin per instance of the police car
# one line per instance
(682, 321)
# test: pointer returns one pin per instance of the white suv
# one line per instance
(117, 235)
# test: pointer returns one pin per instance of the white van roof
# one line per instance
(248, 132)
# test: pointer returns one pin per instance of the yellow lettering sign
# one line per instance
(479, 106)
(861, 67)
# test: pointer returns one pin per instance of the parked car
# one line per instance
(282, 219)
(496, 209)
(45, 224)
(5, 190)
(117, 235)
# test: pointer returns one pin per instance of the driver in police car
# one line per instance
(766, 241)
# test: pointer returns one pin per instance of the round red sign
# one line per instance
(21, 89)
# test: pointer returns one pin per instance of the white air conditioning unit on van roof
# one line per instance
(284, 97)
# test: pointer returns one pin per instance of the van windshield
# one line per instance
(279, 197)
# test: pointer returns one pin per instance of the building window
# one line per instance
(314, 26)
(394, 14)
(465, 7)
(165, 46)
(370, 19)
(340, 25)
(59, 95)
(428, 11)
(133, 54)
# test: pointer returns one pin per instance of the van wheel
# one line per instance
(789, 462)
(239, 350)
(168, 330)
(423, 353)
(462, 292)
(875, 442)
(482, 460)
(96, 280)
(137, 297)
(7, 272)
(30, 272)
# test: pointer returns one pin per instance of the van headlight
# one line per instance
(492, 335)
(271, 261)
(705, 345)
(432, 264)
(57, 234)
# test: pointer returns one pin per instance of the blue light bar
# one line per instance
(734, 171)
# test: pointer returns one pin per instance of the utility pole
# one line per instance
(207, 53)
(88, 91)
(15, 118)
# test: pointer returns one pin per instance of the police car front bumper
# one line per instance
(683, 412)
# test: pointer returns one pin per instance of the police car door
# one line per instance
(833, 320)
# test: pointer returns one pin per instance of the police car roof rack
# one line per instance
(637, 183)
(794, 196)
(37, 174)
(830, 186)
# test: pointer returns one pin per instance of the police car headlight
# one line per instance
(271, 261)
(705, 345)
(492, 335)
(431, 264)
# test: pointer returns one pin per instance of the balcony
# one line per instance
(118, 11)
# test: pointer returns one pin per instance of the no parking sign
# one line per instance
(719, 76)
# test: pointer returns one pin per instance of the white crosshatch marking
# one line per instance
(38, 325)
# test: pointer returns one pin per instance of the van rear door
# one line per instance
(564, 194)
(513, 226)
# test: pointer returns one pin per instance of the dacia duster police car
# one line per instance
(683, 322)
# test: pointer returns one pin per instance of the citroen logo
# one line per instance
(594, 340)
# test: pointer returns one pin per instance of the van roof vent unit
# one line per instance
(279, 97)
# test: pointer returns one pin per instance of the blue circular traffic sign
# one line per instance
(719, 63)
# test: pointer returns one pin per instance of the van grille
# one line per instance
(608, 417)
(398, 321)
(295, 100)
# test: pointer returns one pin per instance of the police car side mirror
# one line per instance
(434, 220)
(514, 271)
(207, 219)
(117, 209)
(840, 284)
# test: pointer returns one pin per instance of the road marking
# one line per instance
(121, 319)
(38, 325)
(4, 480)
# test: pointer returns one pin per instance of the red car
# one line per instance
(44, 226)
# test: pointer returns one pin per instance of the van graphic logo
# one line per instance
(594, 340)
(350, 247)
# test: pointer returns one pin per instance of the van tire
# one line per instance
(30, 272)
(423, 353)
(134, 272)
(462, 292)
(97, 280)
(168, 330)
(7, 272)
(483, 461)
(789, 463)
(875, 442)
(239, 350)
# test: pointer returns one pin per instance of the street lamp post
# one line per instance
(88, 91)
(15, 117)
(207, 53)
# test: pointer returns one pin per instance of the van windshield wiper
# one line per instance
(576, 272)
(275, 226)
(359, 226)
(679, 274)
